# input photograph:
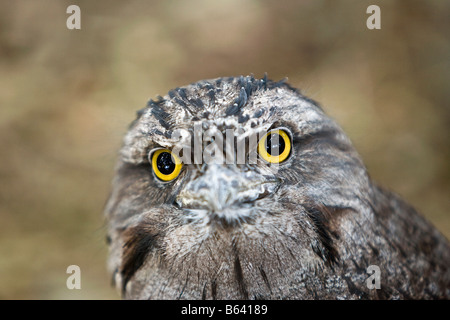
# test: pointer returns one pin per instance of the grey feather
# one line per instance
(310, 230)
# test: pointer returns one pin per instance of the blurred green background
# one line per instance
(67, 97)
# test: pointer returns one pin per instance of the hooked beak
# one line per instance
(226, 191)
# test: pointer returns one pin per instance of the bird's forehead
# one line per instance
(244, 104)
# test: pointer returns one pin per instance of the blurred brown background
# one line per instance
(67, 96)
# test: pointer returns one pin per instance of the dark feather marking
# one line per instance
(179, 96)
(272, 111)
(249, 84)
(243, 119)
(264, 80)
(183, 100)
(184, 286)
(239, 276)
(236, 107)
(241, 81)
(322, 218)
(354, 289)
(252, 86)
(259, 113)
(242, 99)
(168, 134)
(204, 291)
(198, 103)
(181, 103)
(182, 93)
(212, 95)
(214, 289)
(265, 279)
(206, 114)
(139, 242)
(230, 79)
(384, 293)
(232, 110)
(159, 113)
(358, 268)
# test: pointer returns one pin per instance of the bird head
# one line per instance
(225, 182)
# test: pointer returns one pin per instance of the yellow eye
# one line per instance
(275, 146)
(166, 165)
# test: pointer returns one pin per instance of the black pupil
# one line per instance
(275, 144)
(164, 163)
